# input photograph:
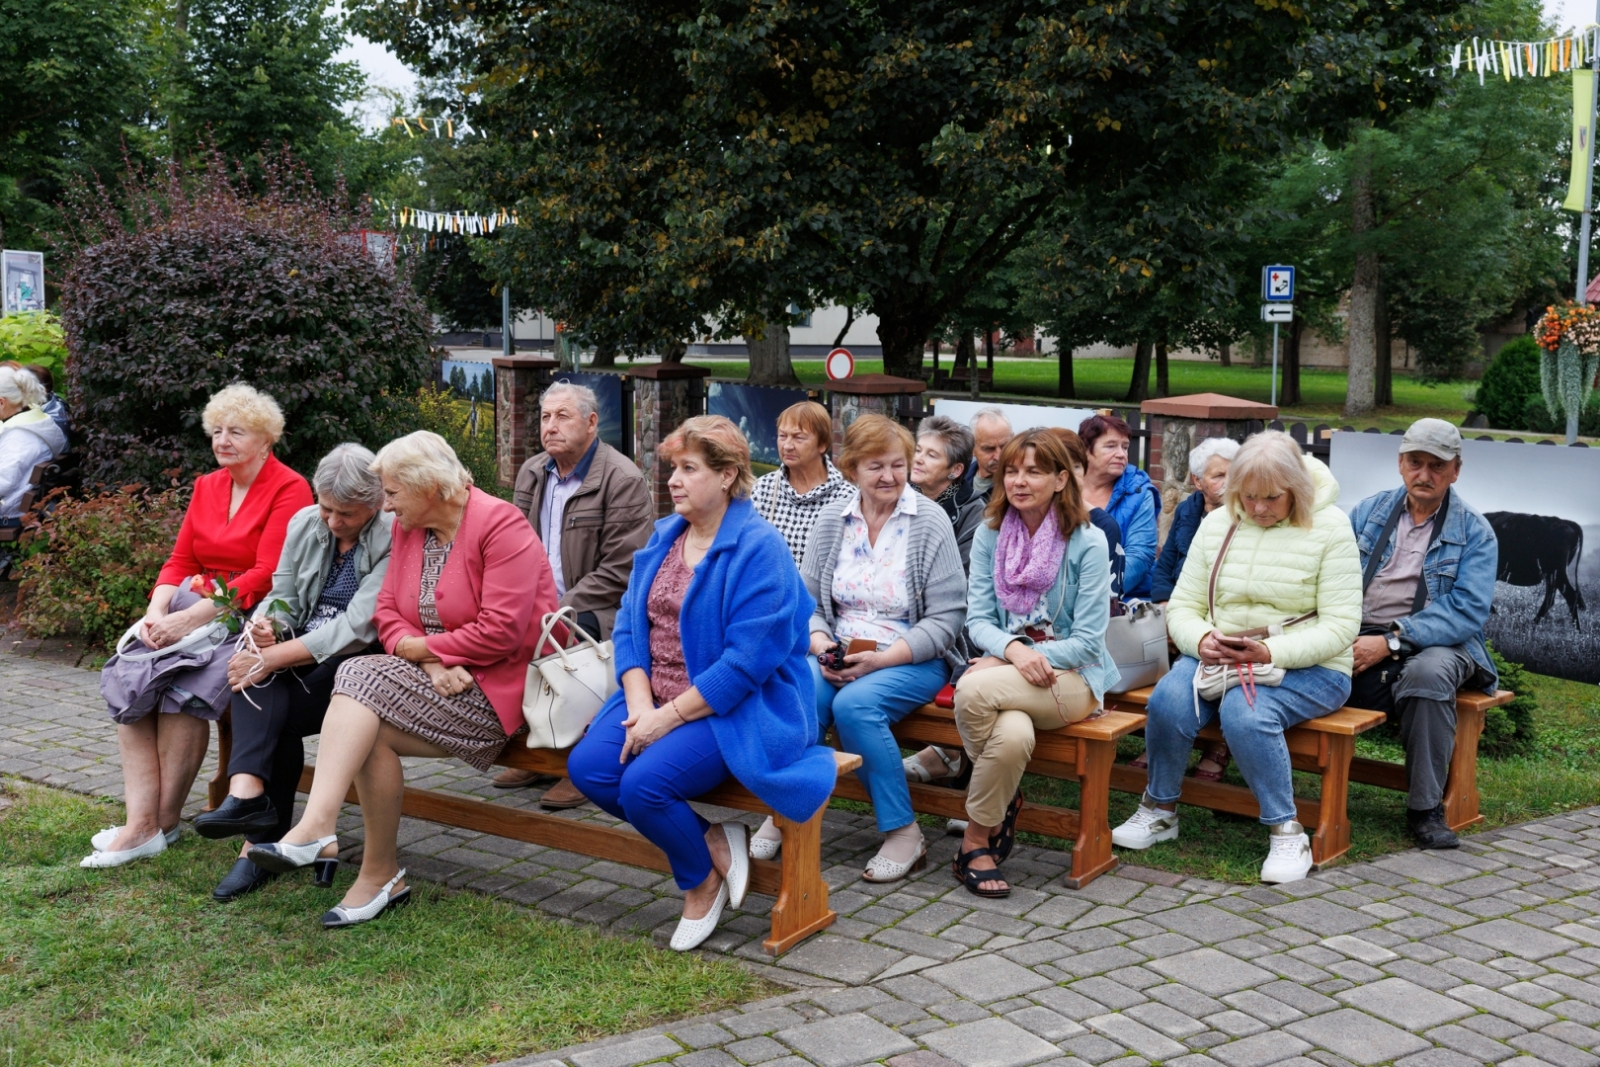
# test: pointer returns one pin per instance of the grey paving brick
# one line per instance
(1235, 1023)
(711, 1057)
(1260, 1006)
(1322, 917)
(845, 1040)
(1169, 1021)
(839, 958)
(1205, 923)
(1503, 1006)
(1050, 1025)
(960, 1011)
(1517, 939)
(1259, 1050)
(986, 978)
(1573, 1034)
(628, 1053)
(1357, 1037)
(1553, 1051)
(756, 1050)
(763, 1022)
(1405, 1003)
(1092, 1048)
(1099, 962)
(1113, 995)
(1299, 997)
(701, 1035)
(1470, 1043)
(990, 1043)
(1068, 1003)
(1211, 972)
(1126, 1030)
(1436, 1057)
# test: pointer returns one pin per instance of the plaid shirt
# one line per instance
(793, 515)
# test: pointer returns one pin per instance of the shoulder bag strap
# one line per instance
(1420, 601)
(1376, 558)
(1216, 568)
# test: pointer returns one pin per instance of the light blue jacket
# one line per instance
(1459, 569)
(1080, 599)
(1135, 504)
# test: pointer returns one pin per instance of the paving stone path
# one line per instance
(1489, 954)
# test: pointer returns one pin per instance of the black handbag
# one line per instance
(1373, 688)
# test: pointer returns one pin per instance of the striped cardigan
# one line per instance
(933, 567)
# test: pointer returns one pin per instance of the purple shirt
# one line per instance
(557, 491)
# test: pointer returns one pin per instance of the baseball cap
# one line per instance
(1433, 436)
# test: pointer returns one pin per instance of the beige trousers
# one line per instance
(997, 711)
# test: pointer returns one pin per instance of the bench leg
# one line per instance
(217, 788)
(1461, 789)
(1331, 839)
(1091, 852)
(802, 907)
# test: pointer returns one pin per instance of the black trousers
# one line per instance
(270, 724)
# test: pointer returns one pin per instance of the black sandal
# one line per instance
(972, 879)
(1005, 836)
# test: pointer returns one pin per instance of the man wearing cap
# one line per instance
(1428, 569)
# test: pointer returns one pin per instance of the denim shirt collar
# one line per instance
(581, 471)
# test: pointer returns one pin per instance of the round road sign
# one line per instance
(840, 364)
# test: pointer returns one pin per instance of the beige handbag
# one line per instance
(567, 688)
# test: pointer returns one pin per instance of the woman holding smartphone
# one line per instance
(891, 598)
(1267, 604)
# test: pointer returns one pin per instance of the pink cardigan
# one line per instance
(492, 598)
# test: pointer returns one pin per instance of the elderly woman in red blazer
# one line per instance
(458, 613)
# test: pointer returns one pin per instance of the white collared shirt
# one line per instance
(871, 590)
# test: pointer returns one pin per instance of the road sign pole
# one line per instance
(1274, 364)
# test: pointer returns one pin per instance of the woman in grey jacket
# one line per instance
(323, 595)
(891, 597)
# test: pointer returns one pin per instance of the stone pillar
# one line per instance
(665, 395)
(1178, 423)
(873, 394)
(519, 381)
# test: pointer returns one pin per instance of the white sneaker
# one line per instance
(1147, 826)
(1288, 854)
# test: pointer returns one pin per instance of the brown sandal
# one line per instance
(1217, 754)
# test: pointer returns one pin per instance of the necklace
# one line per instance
(689, 540)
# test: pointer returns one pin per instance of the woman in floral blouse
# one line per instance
(884, 571)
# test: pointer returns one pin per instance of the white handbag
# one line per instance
(566, 689)
(1137, 642)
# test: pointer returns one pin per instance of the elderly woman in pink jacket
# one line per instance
(467, 583)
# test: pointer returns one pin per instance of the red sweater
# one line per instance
(492, 599)
(243, 551)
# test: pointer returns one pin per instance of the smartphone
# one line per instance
(861, 644)
(1232, 641)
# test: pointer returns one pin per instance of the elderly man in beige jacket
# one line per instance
(589, 505)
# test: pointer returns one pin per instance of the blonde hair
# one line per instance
(424, 462)
(21, 387)
(720, 442)
(1270, 463)
(244, 406)
(873, 435)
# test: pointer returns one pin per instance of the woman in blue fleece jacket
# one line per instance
(1128, 496)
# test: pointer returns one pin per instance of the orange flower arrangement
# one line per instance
(1578, 324)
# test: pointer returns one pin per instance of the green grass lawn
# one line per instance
(139, 966)
(1560, 773)
(1104, 381)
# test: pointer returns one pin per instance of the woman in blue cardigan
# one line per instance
(711, 643)
(1038, 603)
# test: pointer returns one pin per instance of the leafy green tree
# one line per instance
(682, 159)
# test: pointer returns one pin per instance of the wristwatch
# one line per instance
(1393, 638)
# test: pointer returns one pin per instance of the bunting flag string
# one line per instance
(467, 223)
(1489, 58)
(444, 125)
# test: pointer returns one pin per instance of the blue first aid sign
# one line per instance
(1277, 283)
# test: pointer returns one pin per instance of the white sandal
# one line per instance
(738, 877)
(102, 840)
(881, 868)
(153, 847)
(916, 772)
(341, 915)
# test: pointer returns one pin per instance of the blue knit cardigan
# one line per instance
(745, 627)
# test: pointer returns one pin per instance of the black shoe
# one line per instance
(1429, 830)
(234, 817)
(245, 877)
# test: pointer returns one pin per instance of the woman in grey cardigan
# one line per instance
(886, 576)
(323, 594)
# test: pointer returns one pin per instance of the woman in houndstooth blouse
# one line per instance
(792, 496)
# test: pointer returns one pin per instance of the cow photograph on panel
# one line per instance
(1543, 504)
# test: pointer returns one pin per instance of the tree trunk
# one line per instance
(1161, 370)
(674, 352)
(966, 353)
(1064, 384)
(1139, 387)
(769, 358)
(1225, 354)
(604, 356)
(988, 359)
(1289, 382)
(904, 326)
(1383, 390)
(1363, 335)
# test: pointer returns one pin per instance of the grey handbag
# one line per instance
(1136, 640)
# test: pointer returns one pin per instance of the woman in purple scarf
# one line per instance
(1038, 603)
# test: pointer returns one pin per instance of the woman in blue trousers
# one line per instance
(886, 576)
(711, 655)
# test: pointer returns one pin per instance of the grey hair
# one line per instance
(588, 403)
(988, 413)
(1206, 450)
(345, 475)
(956, 438)
(21, 387)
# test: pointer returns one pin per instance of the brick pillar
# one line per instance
(1178, 423)
(665, 395)
(519, 381)
(872, 394)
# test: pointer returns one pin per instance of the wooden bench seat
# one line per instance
(1326, 747)
(35, 481)
(794, 878)
(1084, 751)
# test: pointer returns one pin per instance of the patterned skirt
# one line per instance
(399, 693)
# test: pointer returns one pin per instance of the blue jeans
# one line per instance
(652, 790)
(1254, 734)
(862, 711)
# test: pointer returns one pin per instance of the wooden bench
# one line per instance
(1085, 751)
(1326, 747)
(794, 878)
(36, 479)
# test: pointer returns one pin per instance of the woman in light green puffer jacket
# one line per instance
(1291, 559)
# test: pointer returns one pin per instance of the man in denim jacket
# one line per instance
(1442, 620)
